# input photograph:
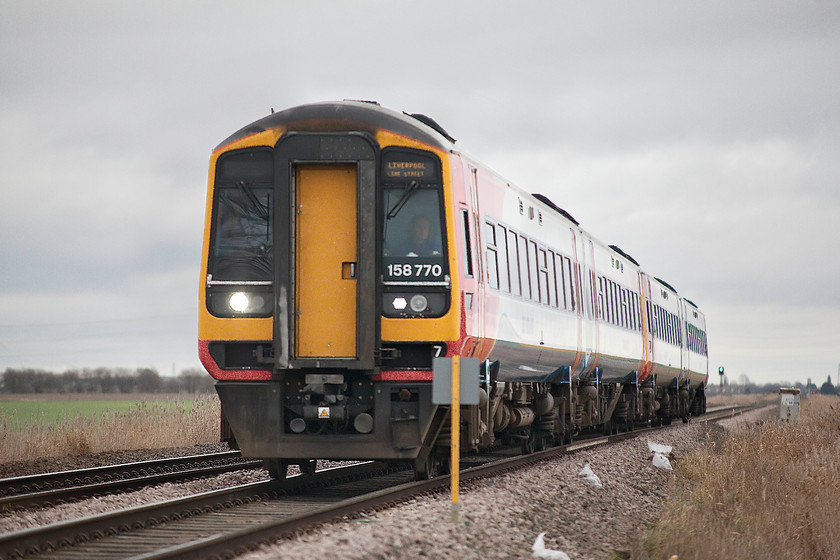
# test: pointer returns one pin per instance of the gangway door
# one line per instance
(326, 256)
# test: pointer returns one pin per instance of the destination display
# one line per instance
(406, 166)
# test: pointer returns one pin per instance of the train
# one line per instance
(347, 245)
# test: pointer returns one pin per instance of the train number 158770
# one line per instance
(415, 270)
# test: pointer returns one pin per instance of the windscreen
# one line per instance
(413, 240)
(242, 237)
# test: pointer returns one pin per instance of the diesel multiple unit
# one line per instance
(346, 246)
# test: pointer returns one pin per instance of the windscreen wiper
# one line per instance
(409, 191)
(261, 209)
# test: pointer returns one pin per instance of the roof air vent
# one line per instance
(544, 199)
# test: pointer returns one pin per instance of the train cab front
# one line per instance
(326, 293)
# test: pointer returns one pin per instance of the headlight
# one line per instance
(246, 303)
(239, 302)
(419, 303)
(224, 302)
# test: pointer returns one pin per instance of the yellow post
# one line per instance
(455, 441)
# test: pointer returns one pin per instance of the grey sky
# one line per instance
(701, 138)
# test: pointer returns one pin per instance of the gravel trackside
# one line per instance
(499, 518)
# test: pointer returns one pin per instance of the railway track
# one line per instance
(41, 490)
(224, 523)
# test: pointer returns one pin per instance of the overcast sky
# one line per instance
(702, 138)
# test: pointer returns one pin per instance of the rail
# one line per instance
(53, 488)
(219, 523)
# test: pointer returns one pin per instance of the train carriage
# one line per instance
(347, 245)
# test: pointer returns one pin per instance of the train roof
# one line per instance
(545, 200)
(666, 284)
(350, 116)
(370, 116)
(623, 254)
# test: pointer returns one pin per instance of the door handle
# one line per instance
(348, 270)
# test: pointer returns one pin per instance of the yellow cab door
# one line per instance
(326, 260)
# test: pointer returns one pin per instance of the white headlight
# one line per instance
(239, 302)
(419, 303)
(399, 303)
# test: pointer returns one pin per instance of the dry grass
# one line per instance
(148, 425)
(760, 492)
(742, 399)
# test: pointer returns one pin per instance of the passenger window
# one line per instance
(552, 280)
(616, 298)
(492, 258)
(561, 283)
(542, 273)
(675, 329)
(652, 319)
(570, 271)
(532, 271)
(504, 273)
(513, 263)
(671, 328)
(625, 319)
(601, 299)
(468, 264)
(663, 325)
(523, 267)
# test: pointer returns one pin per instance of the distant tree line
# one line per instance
(744, 386)
(104, 380)
(147, 380)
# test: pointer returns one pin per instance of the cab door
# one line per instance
(683, 340)
(585, 256)
(474, 239)
(647, 328)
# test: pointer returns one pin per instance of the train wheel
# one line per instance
(277, 468)
(432, 467)
(529, 444)
(308, 467)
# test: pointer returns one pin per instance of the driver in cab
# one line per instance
(420, 242)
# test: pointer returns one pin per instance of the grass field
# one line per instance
(758, 492)
(35, 426)
(25, 410)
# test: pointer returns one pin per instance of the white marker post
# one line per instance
(455, 431)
